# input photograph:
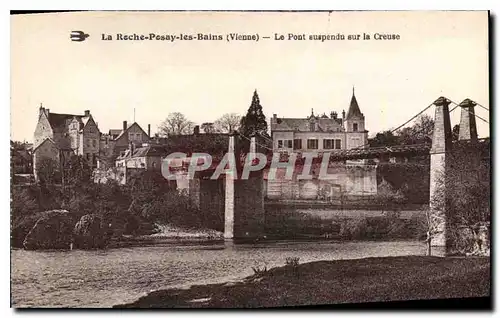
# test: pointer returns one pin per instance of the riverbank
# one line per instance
(336, 282)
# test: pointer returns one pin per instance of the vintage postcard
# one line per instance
(232, 159)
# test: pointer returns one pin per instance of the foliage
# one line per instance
(385, 138)
(213, 144)
(175, 124)
(292, 266)
(387, 195)
(228, 123)
(259, 271)
(455, 132)
(208, 128)
(419, 132)
(410, 179)
(132, 208)
(48, 171)
(463, 195)
(254, 122)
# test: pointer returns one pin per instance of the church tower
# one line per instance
(356, 134)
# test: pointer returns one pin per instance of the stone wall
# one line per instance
(342, 180)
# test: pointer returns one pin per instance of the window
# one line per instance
(88, 156)
(328, 143)
(355, 127)
(297, 144)
(285, 143)
(312, 126)
(338, 144)
(312, 144)
(93, 143)
(355, 142)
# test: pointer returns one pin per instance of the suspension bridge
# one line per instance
(243, 200)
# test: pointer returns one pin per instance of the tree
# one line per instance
(175, 124)
(385, 138)
(48, 171)
(228, 123)
(463, 193)
(254, 122)
(76, 171)
(208, 128)
(455, 132)
(420, 132)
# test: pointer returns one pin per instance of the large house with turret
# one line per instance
(323, 133)
(320, 132)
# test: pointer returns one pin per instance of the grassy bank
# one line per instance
(334, 282)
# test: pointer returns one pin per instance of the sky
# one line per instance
(441, 53)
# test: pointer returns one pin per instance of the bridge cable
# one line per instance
(468, 111)
(481, 105)
(397, 128)
(256, 143)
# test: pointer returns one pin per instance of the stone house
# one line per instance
(57, 136)
(117, 141)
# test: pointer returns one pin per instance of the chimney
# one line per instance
(333, 115)
(343, 114)
(275, 116)
(124, 125)
(87, 113)
(149, 130)
(196, 130)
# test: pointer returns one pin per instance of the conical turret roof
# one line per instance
(354, 110)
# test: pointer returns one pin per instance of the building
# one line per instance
(320, 133)
(58, 136)
(117, 141)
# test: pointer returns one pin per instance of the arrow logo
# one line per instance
(78, 36)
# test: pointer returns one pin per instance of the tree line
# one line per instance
(253, 122)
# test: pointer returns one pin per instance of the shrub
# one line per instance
(292, 266)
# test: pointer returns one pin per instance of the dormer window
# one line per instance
(312, 126)
(355, 127)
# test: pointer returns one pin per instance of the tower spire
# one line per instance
(352, 90)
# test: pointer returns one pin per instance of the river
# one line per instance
(103, 278)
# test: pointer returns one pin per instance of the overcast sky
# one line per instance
(439, 53)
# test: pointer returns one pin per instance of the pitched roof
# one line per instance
(150, 150)
(115, 132)
(61, 120)
(124, 131)
(354, 110)
(303, 124)
(44, 141)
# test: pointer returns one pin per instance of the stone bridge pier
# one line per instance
(239, 202)
(244, 199)
(442, 164)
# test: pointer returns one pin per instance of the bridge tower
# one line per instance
(244, 199)
(440, 163)
(468, 129)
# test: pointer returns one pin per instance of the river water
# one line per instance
(104, 278)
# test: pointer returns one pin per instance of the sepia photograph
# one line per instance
(250, 159)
